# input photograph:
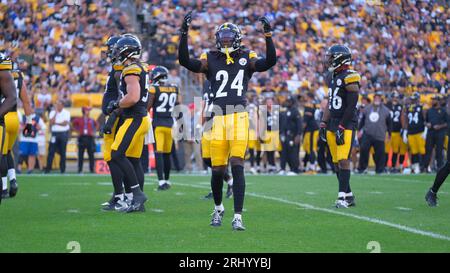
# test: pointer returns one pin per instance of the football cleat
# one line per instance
(216, 220)
(350, 201)
(431, 198)
(341, 203)
(253, 171)
(237, 224)
(229, 191)
(164, 187)
(13, 188)
(208, 196)
(114, 204)
(5, 194)
(137, 204)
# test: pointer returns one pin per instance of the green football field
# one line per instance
(282, 214)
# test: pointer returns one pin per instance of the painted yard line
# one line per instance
(341, 213)
(385, 178)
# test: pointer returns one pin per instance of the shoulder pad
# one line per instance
(117, 67)
(352, 77)
(132, 69)
(5, 63)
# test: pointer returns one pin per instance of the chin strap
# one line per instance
(229, 59)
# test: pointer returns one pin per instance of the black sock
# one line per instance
(238, 187)
(440, 177)
(137, 164)
(252, 157)
(207, 162)
(344, 180)
(10, 161)
(258, 158)
(4, 166)
(394, 160)
(271, 158)
(216, 186)
(414, 159)
(401, 160)
(128, 171)
(116, 176)
(159, 165)
(167, 166)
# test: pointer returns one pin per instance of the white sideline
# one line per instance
(336, 212)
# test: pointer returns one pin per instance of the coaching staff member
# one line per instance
(85, 126)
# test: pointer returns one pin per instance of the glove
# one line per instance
(340, 135)
(112, 105)
(323, 131)
(186, 23)
(404, 134)
(266, 24)
(107, 129)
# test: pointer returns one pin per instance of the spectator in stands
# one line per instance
(86, 127)
(60, 127)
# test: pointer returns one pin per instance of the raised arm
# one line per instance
(264, 64)
(193, 65)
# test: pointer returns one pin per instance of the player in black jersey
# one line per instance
(163, 98)
(398, 147)
(12, 125)
(8, 97)
(229, 70)
(133, 98)
(415, 132)
(109, 132)
(338, 123)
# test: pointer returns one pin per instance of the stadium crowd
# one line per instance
(396, 46)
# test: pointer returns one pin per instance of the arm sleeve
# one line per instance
(352, 100)
(193, 65)
(263, 64)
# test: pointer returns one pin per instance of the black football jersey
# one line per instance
(396, 111)
(139, 109)
(416, 123)
(229, 83)
(165, 101)
(337, 97)
(111, 88)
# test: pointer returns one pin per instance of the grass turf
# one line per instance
(282, 214)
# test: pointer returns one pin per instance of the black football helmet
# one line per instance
(129, 35)
(159, 75)
(228, 36)
(337, 56)
(126, 48)
(110, 46)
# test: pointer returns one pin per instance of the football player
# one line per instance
(399, 148)
(442, 174)
(414, 133)
(229, 70)
(8, 97)
(128, 143)
(12, 125)
(338, 123)
(207, 118)
(163, 98)
(109, 131)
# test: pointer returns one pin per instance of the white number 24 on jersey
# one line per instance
(222, 75)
